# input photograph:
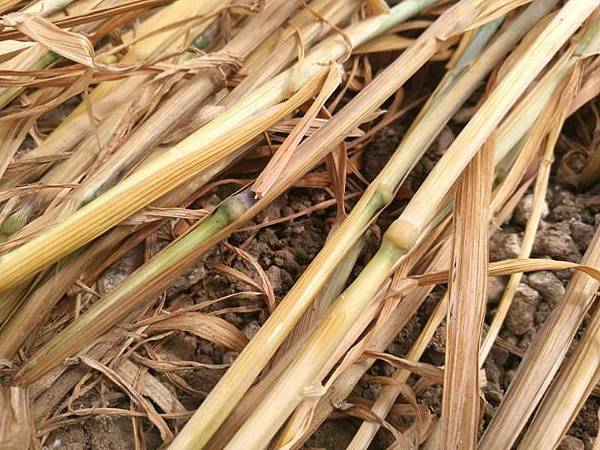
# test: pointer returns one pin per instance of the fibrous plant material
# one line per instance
(107, 95)
(403, 233)
(378, 339)
(282, 47)
(466, 303)
(132, 283)
(154, 180)
(15, 420)
(544, 357)
(178, 107)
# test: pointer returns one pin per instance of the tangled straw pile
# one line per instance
(120, 118)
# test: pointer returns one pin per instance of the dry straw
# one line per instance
(466, 304)
(319, 330)
(187, 248)
(544, 357)
(571, 388)
(346, 120)
(199, 151)
(55, 284)
(402, 234)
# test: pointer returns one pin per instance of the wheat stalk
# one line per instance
(197, 152)
(403, 233)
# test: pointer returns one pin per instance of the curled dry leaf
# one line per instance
(265, 282)
(281, 159)
(211, 328)
(112, 375)
(150, 387)
(73, 46)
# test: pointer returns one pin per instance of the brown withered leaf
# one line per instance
(211, 328)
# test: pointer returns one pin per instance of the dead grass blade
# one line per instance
(453, 79)
(492, 111)
(281, 48)
(386, 312)
(299, 306)
(466, 306)
(208, 327)
(287, 351)
(265, 285)
(56, 283)
(16, 431)
(388, 396)
(510, 266)
(109, 99)
(280, 161)
(184, 102)
(420, 136)
(151, 277)
(153, 416)
(73, 46)
(150, 386)
(12, 135)
(379, 339)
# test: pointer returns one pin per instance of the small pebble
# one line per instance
(251, 329)
(495, 289)
(547, 284)
(520, 317)
(571, 443)
(504, 245)
(523, 210)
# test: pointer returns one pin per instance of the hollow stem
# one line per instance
(103, 315)
(289, 390)
(204, 147)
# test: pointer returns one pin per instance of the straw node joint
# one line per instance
(402, 234)
(238, 204)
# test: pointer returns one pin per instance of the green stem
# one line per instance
(141, 285)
